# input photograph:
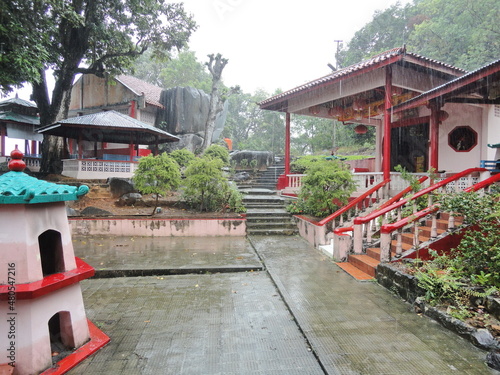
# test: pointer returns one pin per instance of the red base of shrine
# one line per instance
(98, 340)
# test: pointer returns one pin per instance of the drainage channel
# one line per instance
(108, 274)
(304, 335)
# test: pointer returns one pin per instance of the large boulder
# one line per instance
(190, 142)
(94, 211)
(129, 199)
(186, 111)
(120, 186)
(264, 158)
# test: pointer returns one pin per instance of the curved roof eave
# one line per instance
(378, 61)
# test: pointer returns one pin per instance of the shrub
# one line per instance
(217, 152)
(157, 175)
(182, 156)
(206, 189)
(478, 254)
(327, 185)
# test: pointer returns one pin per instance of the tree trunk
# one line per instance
(215, 65)
(53, 148)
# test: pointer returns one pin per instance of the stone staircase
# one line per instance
(364, 266)
(268, 178)
(266, 213)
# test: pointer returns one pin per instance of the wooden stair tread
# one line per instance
(354, 271)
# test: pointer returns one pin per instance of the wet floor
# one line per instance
(300, 315)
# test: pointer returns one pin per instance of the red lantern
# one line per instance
(443, 115)
(335, 112)
(315, 109)
(360, 129)
(358, 105)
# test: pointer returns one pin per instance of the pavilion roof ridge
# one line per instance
(383, 58)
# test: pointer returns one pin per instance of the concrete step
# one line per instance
(272, 232)
(269, 218)
(273, 225)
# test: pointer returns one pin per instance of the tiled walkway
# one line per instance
(303, 316)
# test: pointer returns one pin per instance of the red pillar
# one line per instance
(386, 164)
(132, 112)
(33, 147)
(2, 140)
(287, 144)
(434, 137)
(80, 147)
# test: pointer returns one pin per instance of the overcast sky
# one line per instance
(274, 44)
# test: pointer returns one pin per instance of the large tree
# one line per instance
(181, 69)
(463, 33)
(89, 37)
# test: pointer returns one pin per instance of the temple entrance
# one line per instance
(410, 148)
(51, 252)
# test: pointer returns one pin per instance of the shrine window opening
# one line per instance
(51, 252)
(462, 139)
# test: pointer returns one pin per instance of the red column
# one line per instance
(80, 147)
(33, 147)
(287, 144)
(2, 140)
(386, 164)
(132, 112)
(434, 137)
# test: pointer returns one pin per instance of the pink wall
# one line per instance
(159, 227)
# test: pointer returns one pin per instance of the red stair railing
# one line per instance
(387, 230)
(365, 227)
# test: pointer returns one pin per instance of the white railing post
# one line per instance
(358, 238)
(385, 247)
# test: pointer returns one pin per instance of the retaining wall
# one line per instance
(147, 227)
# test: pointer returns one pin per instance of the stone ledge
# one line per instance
(406, 287)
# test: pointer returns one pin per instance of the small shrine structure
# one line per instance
(19, 121)
(43, 318)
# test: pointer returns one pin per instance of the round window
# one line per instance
(462, 138)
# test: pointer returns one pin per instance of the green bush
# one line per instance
(206, 189)
(471, 269)
(328, 184)
(217, 152)
(478, 254)
(183, 157)
(157, 175)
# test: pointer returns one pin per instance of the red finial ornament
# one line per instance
(16, 162)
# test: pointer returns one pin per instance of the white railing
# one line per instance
(294, 182)
(364, 182)
(90, 169)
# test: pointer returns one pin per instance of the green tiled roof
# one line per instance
(19, 188)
